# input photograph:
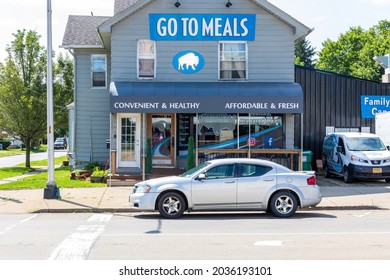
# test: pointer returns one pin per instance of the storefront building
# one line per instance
(220, 72)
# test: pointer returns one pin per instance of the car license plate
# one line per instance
(377, 170)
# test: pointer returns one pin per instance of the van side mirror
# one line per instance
(201, 177)
(339, 149)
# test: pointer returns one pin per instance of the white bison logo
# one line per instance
(189, 59)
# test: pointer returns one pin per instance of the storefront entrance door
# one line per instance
(161, 129)
(129, 140)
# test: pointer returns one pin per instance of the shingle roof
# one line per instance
(81, 31)
(121, 5)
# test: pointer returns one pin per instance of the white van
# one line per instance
(356, 156)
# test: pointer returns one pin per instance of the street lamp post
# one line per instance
(51, 191)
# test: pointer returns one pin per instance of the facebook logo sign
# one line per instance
(268, 141)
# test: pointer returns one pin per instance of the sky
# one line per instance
(329, 18)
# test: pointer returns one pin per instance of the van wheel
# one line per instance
(326, 171)
(347, 176)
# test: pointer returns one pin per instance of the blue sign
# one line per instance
(206, 27)
(188, 62)
(268, 141)
(374, 104)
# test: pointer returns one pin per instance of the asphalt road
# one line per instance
(18, 159)
(311, 235)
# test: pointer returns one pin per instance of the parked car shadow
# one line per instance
(233, 216)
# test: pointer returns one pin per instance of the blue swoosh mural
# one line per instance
(233, 142)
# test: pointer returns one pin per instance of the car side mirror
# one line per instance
(388, 148)
(339, 149)
(201, 177)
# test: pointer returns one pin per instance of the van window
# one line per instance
(341, 144)
(365, 144)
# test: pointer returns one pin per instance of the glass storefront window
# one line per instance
(259, 131)
(217, 131)
(231, 131)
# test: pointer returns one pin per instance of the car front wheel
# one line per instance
(171, 205)
(326, 171)
(283, 204)
(347, 176)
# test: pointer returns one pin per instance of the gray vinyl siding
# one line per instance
(270, 56)
(92, 111)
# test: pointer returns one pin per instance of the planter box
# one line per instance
(96, 179)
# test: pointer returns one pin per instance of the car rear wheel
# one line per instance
(171, 205)
(283, 204)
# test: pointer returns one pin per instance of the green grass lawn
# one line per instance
(18, 151)
(61, 177)
(8, 172)
(11, 152)
(57, 161)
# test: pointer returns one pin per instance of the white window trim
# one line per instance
(246, 61)
(105, 66)
(140, 57)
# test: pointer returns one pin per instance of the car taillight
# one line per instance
(312, 180)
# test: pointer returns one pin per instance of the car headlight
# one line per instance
(358, 159)
(143, 189)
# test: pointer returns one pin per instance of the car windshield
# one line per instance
(365, 144)
(192, 171)
(59, 141)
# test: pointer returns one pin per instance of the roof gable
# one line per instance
(95, 31)
(121, 5)
(299, 29)
(81, 31)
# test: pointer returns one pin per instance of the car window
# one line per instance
(220, 172)
(253, 170)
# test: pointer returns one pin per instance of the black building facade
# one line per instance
(332, 100)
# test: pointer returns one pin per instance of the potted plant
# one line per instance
(99, 176)
(191, 153)
(148, 159)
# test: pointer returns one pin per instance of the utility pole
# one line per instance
(51, 191)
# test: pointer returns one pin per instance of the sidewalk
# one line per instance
(336, 196)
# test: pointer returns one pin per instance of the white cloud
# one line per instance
(381, 3)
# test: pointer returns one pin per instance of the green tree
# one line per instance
(62, 92)
(23, 89)
(304, 53)
(352, 54)
(22, 92)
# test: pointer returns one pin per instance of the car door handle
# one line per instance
(268, 180)
(229, 182)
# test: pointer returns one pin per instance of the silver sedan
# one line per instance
(229, 184)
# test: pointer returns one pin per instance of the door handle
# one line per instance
(229, 182)
(268, 180)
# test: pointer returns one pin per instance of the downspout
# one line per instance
(300, 167)
(75, 106)
(109, 150)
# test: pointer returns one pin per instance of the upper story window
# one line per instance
(233, 61)
(99, 70)
(146, 59)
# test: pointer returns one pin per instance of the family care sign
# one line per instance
(374, 104)
(206, 27)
